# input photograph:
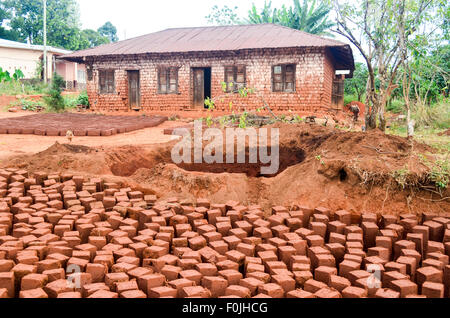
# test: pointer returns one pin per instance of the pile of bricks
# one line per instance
(80, 124)
(64, 236)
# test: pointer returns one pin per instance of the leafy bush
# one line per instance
(54, 99)
(24, 87)
(27, 104)
(83, 99)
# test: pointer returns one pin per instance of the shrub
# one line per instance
(83, 99)
(54, 99)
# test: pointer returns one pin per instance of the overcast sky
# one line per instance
(137, 17)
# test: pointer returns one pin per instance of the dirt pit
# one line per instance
(318, 166)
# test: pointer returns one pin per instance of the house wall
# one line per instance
(314, 74)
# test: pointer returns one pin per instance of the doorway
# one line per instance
(202, 86)
(134, 90)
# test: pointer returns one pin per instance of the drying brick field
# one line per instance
(66, 236)
(79, 124)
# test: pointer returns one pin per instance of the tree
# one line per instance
(357, 84)
(63, 20)
(372, 27)
(306, 16)
(91, 38)
(223, 16)
(109, 31)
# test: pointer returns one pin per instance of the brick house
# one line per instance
(177, 69)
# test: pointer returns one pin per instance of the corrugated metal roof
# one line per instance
(25, 46)
(224, 38)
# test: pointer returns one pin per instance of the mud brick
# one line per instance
(33, 281)
(271, 289)
(387, 293)
(313, 286)
(403, 244)
(245, 249)
(223, 228)
(206, 269)
(318, 228)
(389, 277)
(315, 240)
(337, 250)
(197, 243)
(337, 282)
(298, 293)
(212, 236)
(57, 287)
(234, 216)
(7, 282)
(434, 263)
(436, 230)
(263, 277)
(239, 233)
(323, 260)
(112, 278)
(294, 224)
(405, 287)
(171, 272)
(336, 227)
(239, 291)
(6, 265)
(299, 245)
(219, 246)
(380, 252)
(276, 220)
(192, 275)
(122, 268)
(408, 224)
(394, 266)
(162, 292)
(106, 294)
(370, 231)
(194, 291)
(439, 257)
(37, 293)
(434, 246)
(433, 290)
(286, 282)
(428, 274)
(75, 262)
(252, 267)
(70, 295)
(411, 253)
(417, 238)
(344, 217)
(55, 274)
(285, 253)
(323, 273)
(337, 238)
(121, 287)
(21, 270)
(267, 256)
(232, 276)
(347, 266)
(235, 256)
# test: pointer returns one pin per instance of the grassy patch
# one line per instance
(14, 88)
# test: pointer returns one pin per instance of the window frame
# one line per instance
(283, 75)
(167, 70)
(235, 75)
(104, 90)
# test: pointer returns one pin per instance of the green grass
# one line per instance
(14, 88)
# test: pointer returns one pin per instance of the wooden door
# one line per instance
(134, 90)
(199, 87)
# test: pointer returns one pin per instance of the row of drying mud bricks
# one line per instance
(91, 132)
(127, 244)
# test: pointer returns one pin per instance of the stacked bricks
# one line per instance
(66, 236)
(315, 73)
(80, 124)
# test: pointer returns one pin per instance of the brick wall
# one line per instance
(314, 76)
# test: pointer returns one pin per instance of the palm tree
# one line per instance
(308, 17)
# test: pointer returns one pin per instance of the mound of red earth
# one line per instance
(79, 124)
(64, 236)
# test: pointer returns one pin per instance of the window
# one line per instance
(168, 80)
(283, 78)
(235, 78)
(106, 81)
